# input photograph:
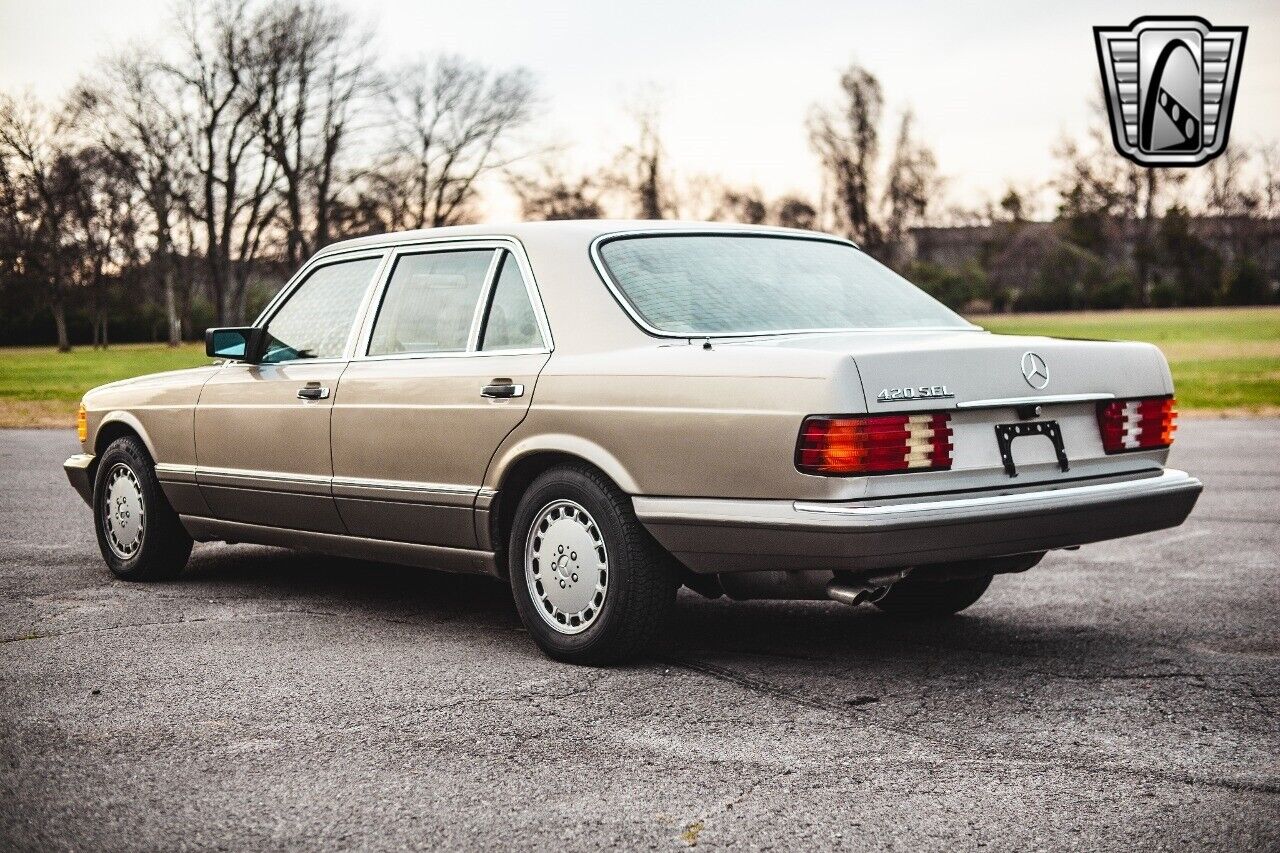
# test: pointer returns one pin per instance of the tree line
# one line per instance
(177, 185)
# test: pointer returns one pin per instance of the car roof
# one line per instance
(585, 229)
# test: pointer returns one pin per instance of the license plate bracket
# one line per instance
(1006, 433)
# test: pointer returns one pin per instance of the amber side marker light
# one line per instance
(82, 424)
(879, 444)
(1140, 424)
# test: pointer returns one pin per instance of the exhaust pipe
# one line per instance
(865, 589)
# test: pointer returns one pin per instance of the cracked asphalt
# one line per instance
(1125, 696)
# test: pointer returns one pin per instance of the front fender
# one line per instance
(120, 416)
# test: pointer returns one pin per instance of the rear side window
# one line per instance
(727, 284)
(316, 320)
(430, 302)
(510, 323)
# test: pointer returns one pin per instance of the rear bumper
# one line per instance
(711, 535)
(79, 470)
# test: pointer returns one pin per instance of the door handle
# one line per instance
(502, 389)
(313, 392)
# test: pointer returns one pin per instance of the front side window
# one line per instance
(316, 320)
(430, 302)
(510, 323)
(755, 284)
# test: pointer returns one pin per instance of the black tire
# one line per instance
(632, 619)
(161, 547)
(925, 599)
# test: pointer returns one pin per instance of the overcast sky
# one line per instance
(994, 86)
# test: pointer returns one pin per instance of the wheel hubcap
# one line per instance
(566, 566)
(123, 512)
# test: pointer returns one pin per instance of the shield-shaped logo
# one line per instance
(1170, 86)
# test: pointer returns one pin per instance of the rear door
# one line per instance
(445, 369)
(262, 430)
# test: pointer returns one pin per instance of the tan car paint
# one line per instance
(160, 407)
(412, 438)
(263, 453)
(684, 420)
(661, 416)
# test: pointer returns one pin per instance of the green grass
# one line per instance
(40, 386)
(1221, 358)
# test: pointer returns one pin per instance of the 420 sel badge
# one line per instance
(921, 392)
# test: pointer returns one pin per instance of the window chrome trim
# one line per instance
(365, 339)
(300, 277)
(621, 298)
(479, 314)
(456, 244)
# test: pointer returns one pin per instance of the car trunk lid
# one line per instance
(987, 381)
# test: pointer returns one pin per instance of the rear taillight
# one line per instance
(882, 444)
(1142, 424)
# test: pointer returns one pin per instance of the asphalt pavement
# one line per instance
(1124, 696)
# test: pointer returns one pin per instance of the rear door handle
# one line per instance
(313, 392)
(502, 389)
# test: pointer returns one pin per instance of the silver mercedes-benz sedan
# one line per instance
(600, 412)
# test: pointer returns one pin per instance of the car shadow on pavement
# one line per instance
(350, 586)
(981, 639)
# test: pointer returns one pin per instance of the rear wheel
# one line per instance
(591, 585)
(139, 534)
(923, 598)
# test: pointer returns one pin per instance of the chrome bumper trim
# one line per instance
(714, 535)
(1060, 497)
(79, 470)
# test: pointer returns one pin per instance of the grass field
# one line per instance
(1224, 360)
(40, 386)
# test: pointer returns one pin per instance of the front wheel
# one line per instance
(924, 598)
(139, 534)
(591, 585)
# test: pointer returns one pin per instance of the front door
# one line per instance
(447, 371)
(262, 430)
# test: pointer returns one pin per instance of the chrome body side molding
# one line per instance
(461, 560)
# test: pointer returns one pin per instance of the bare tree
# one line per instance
(104, 210)
(311, 67)
(846, 139)
(451, 124)
(37, 152)
(552, 194)
(747, 206)
(792, 211)
(911, 185)
(235, 179)
(641, 172)
(132, 108)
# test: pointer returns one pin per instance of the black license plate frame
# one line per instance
(1006, 433)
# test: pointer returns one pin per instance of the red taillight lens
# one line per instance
(1141, 424)
(883, 444)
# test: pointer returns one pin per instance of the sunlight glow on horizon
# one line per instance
(736, 79)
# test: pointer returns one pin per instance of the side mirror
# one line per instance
(234, 343)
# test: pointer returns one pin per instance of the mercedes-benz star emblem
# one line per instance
(1034, 370)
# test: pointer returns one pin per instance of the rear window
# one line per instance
(741, 284)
